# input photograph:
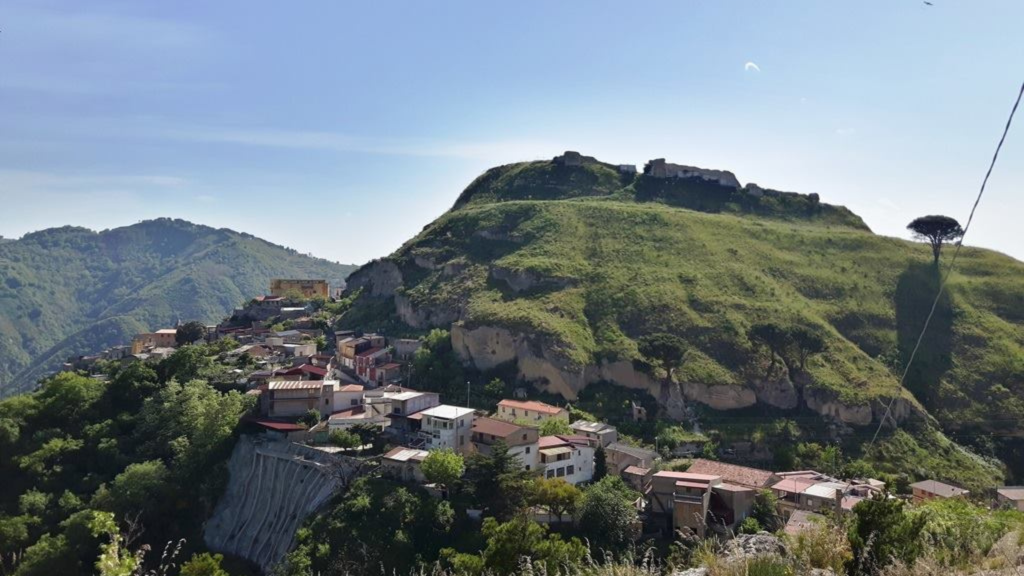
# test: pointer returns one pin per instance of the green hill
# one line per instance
(68, 291)
(564, 269)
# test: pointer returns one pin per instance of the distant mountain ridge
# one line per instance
(70, 290)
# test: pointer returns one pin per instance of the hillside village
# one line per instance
(346, 399)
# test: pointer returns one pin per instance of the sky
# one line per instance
(340, 129)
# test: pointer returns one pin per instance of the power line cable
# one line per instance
(952, 263)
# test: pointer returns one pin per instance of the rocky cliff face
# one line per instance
(487, 347)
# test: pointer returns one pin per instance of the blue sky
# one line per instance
(342, 128)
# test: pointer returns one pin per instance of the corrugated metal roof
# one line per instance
(296, 385)
(556, 451)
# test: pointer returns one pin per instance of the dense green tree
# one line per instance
(765, 511)
(607, 514)
(190, 332)
(936, 230)
(130, 384)
(600, 463)
(664, 350)
(774, 338)
(882, 532)
(510, 542)
(140, 489)
(497, 482)
(443, 467)
(310, 418)
(184, 364)
(554, 427)
(556, 495)
(344, 439)
(436, 368)
(204, 564)
(805, 343)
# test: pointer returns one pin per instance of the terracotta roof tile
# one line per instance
(742, 475)
(531, 405)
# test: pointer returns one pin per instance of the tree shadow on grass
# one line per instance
(915, 292)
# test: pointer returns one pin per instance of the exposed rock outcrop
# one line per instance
(749, 545)
(273, 487)
(487, 347)
(378, 278)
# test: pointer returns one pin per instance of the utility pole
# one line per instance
(467, 393)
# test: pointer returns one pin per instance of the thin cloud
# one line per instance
(337, 142)
(750, 66)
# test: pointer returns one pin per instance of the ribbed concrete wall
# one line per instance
(274, 486)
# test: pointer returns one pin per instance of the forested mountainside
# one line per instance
(570, 270)
(67, 291)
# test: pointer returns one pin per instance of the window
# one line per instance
(355, 402)
(524, 436)
(560, 472)
(326, 401)
(549, 474)
(462, 440)
(570, 470)
(527, 466)
(527, 449)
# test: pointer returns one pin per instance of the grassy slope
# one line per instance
(70, 290)
(616, 267)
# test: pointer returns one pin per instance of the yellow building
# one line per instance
(165, 338)
(307, 288)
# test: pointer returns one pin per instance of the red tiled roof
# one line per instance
(794, 484)
(305, 368)
(531, 405)
(389, 366)
(742, 475)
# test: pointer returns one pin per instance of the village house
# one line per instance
(619, 456)
(602, 434)
(530, 410)
(568, 457)
(522, 441)
(302, 287)
(362, 415)
(699, 500)
(932, 489)
(638, 479)
(446, 426)
(405, 348)
(809, 490)
(163, 338)
(1011, 497)
(348, 396)
(404, 464)
(301, 372)
(289, 399)
(403, 406)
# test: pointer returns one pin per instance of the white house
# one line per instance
(567, 457)
(447, 426)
